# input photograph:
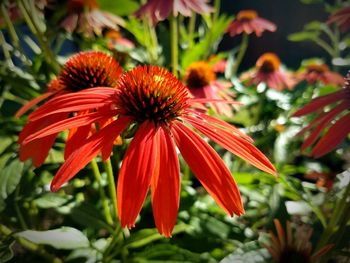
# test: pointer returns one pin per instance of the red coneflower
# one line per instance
(341, 18)
(249, 22)
(160, 10)
(85, 17)
(268, 70)
(200, 78)
(81, 71)
(286, 248)
(337, 131)
(315, 72)
(159, 105)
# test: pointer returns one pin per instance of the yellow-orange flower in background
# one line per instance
(200, 78)
(333, 115)
(249, 22)
(320, 72)
(159, 105)
(268, 70)
(286, 247)
(81, 71)
(84, 16)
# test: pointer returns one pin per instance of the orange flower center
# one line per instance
(268, 63)
(88, 70)
(112, 34)
(151, 93)
(247, 15)
(199, 74)
(317, 68)
(78, 6)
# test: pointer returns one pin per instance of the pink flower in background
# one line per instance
(249, 22)
(341, 18)
(313, 73)
(268, 70)
(333, 115)
(160, 10)
(84, 16)
(200, 78)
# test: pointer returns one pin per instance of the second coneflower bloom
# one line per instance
(159, 106)
(200, 78)
(82, 71)
(268, 70)
(248, 21)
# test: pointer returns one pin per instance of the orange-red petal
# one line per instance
(140, 163)
(165, 185)
(208, 167)
(82, 156)
(234, 144)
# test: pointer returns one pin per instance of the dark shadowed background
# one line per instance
(290, 16)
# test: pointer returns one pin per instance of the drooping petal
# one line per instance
(32, 103)
(73, 122)
(82, 156)
(221, 124)
(320, 102)
(323, 122)
(76, 138)
(208, 167)
(165, 185)
(333, 137)
(234, 144)
(140, 163)
(78, 101)
(37, 150)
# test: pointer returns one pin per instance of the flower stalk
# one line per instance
(174, 44)
(241, 53)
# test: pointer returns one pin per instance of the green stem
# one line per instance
(217, 5)
(18, 210)
(191, 28)
(337, 214)
(98, 177)
(5, 50)
(30, 245)
(111, 185)
(241, 53)
(174, 44)
(40, 36)
(323, 44)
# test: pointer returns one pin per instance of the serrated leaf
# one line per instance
(61, 238)
(10, 177)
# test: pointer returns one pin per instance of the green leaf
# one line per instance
(201, 50)
(10, 177)
(119, 7)
(303, 36)
(248, 253)
(51, 200)
(314, 25)
(61, 238)
(4, 143)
